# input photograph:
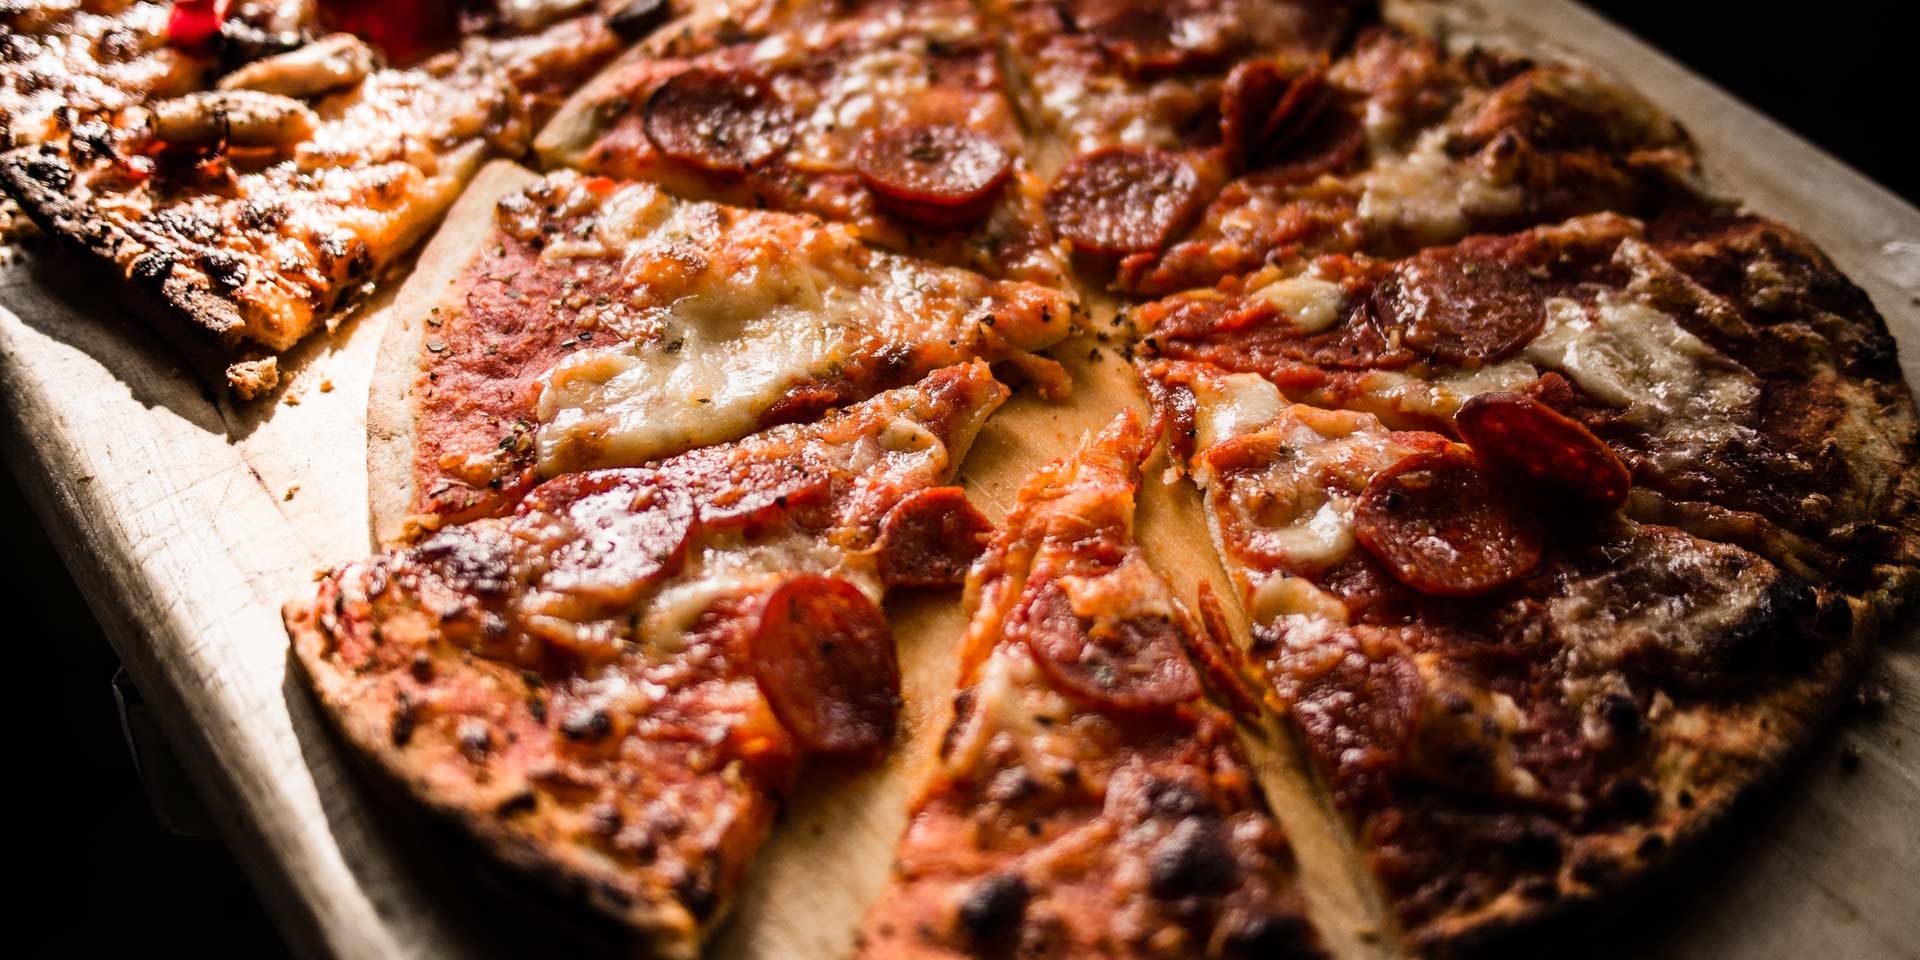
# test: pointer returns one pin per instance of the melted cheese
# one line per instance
(728, 315)
(1231, 405)
(1639, 359)
(1300, 504)
(1017, 718)
(731, 566)
(1312, 304)
(1414, 401)
(718, 362)
(1428, 196)
(1283, 595)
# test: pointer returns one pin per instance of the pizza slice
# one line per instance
(1519, 696)
(263, 209)
(1405, 143)
(1087, 800)
(885, 114)
(573, 322)
(613, 687)
(1752, 392)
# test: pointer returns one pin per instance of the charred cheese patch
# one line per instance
(1419, 145)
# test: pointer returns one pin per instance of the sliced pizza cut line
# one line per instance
(613, 687)
(259, 211)
(577, 322)
(1086, 799)
(1512, 717)
(887, 115)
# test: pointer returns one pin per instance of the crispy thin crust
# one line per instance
(391, 479)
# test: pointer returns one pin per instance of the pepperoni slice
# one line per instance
(1438, 524)
(1119, 200)
(1251, 335)
(1331, 140)
(762, 493)
(1516, 434)
(1462, 309)
(1358, 711)
(1265, 107)
(938, 173)
(721, 121)
(1133, 665)
(624, 535)
(930, 538)
(824, 658)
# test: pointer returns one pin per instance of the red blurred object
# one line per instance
(405, 30)
(193, 25)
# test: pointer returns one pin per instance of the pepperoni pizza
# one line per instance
(613, 685)
(1555, 498)
(1088, 799)
(1520, 688)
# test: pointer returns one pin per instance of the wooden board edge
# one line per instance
(133, 606)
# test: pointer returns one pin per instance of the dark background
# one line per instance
(1836, 76)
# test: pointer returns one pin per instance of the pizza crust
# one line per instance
(391, 476)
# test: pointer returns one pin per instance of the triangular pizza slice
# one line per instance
(890, 115)
(1087, 799)
(612, 687)
(1519, 696)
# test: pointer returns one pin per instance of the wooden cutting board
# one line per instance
(188, 520)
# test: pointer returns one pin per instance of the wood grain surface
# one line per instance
(187, 520)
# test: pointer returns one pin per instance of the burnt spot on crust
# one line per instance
(38, 171)
(152, 267)
(1192, 860)
(227, 271)
(524, 801)
(586, 725)
(991, 912)
(1272, 936)
(697, 887)
(404, 720)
